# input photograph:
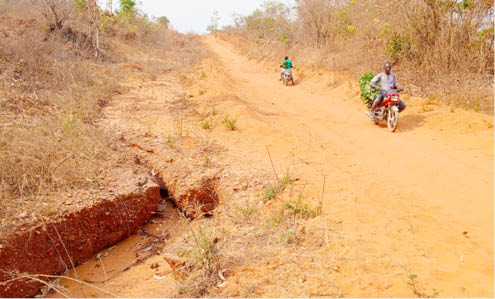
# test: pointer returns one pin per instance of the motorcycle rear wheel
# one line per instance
(392, 120)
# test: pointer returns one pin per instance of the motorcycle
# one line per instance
(388, 110)
(287, 77)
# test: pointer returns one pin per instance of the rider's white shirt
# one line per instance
(387, 81)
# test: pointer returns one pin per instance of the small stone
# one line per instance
(158, 277)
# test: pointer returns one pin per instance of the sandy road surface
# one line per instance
(419, 200)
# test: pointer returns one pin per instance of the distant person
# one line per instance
(388, 82)
(286, 69)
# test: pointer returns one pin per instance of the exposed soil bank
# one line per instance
(53, 247)
(194, 190)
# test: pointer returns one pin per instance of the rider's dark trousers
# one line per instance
(381, 97)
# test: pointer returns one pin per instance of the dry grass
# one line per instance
(204, 254)
(242, 234)
(51, 154)
(51, 99)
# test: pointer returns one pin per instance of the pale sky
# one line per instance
(194, 15)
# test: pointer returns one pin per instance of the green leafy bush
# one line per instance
(398, 45)
(368, 93)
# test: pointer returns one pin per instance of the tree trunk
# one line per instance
(94, 25)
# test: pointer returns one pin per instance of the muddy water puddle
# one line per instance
(115, 271)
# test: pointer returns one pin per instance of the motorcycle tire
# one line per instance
(392, 120)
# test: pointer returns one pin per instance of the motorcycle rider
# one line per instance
(286, 68)
(388, 82)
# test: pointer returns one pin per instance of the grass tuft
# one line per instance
(229, 123)
(272, 191)
(206, 124)
(203, 254)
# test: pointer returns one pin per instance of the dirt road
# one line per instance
(418, 201)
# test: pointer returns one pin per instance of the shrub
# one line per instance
(398, 45)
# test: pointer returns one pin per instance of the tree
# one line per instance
(94, 25)
(56, 12)
(127, 8)
(270, 22)
(109, 7)
(163, 21)
(213, 26)
(317, 18)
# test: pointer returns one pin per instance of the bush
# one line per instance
(398, 46)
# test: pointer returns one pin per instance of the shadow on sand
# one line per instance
(410, 122)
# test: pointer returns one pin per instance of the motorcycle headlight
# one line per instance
(395, 98)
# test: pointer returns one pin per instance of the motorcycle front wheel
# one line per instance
(392, 120)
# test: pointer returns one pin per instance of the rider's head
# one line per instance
(387, 66)
(286, 57)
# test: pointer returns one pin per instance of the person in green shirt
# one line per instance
(286, 68)
(287, 63)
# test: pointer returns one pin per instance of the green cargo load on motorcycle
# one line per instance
(368, 93)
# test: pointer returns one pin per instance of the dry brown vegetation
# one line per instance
(438, 47)
(58, 68)
(241, 235)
